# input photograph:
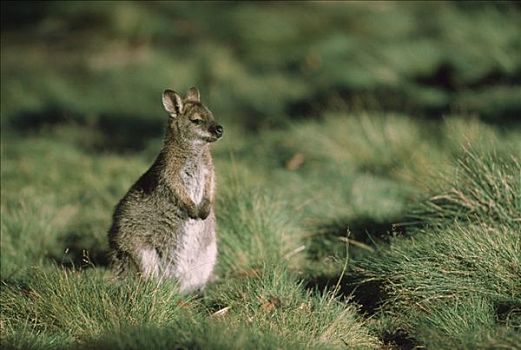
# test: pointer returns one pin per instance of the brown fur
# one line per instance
(165, 225)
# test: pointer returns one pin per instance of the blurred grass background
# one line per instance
(259, 64)
(369, 186)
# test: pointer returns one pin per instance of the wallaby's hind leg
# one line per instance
(149, 262)
(145, 261)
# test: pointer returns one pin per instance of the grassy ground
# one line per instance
(369, 180)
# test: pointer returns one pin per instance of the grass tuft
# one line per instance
(455, 282)
(482, 187)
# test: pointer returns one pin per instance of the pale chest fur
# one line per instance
(196, 252)
(194, 177)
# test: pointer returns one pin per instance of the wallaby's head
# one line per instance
(189, 118)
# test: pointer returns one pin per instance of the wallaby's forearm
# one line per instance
(184, 200)
(207, 202)
(208, 192)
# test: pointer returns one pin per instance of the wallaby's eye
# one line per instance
(197, 121)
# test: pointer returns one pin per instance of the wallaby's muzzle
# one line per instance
(217, 130)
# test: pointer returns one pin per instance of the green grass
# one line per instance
(455, 282)
(279, 229)
(368, 184)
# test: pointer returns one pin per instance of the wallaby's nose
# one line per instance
(218, 129)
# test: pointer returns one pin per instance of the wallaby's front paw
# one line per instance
(191, 210)
(204, 208)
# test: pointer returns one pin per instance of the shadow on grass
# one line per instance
(370, 295)
(362, 234)
(81, 252)
(366, 229)
(509, 313)
(400, 339)
(107, 132)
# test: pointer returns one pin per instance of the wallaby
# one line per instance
(164, 227)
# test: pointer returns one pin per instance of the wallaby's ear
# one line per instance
(172, 102)
(193, 95)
